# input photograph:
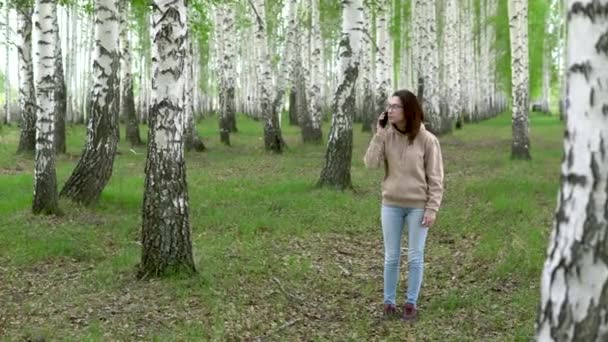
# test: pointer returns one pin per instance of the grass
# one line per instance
(277, 257)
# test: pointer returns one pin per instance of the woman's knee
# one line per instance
(415, 258)
(391, 260)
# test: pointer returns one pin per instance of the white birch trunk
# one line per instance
(220, 55)
(45, 180)
(368, 104)
(273, 139)
(94, 168)
(316, 72)
(484, 60)
(492, 9)
(427, 68)
(225, 22)
(166, 234)
(87, 80)
(27, 92)
(383, 55)
(452, 47)
(336, 172)
(518, 20)
(414, 46)
(7, 49)
(69, 57)
(287, 57)
(575, 275)
(192, 141)
(463, 62)
(60, 92)
(127, 100)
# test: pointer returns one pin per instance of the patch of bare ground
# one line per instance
(344, 288)
(59, 296)
(14, 170)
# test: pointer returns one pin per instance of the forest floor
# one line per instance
(277, 258)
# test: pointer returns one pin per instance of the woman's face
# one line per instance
(395, 110)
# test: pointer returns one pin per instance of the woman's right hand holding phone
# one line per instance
(381, 123)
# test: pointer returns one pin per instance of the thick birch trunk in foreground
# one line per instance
(95, 166)
(574, 283)
(166, 235)
(45, 180)
(338, 156)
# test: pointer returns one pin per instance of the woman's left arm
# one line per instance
(433, 165)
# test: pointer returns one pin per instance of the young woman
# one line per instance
(411, 192)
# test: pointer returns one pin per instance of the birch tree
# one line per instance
(383, 60)
(273, 139)
(451, 45)
(573, 284)
(166, 235)
(45, 180)
(518, 32)
(27, 92)
(287, 60)
(7, 51)
(316, 72)
(427, 67)
(60, 93)
(492, 9)
(127, 100)
(192, 140)
(366, 78)
(225, 21)
(546, 84)
(94, 168)
(300, 80)
(338, 156)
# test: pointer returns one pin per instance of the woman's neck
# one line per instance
(400, 126)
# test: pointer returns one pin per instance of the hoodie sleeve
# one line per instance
(433, 165)
(374, 157)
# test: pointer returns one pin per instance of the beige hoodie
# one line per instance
(414, 172)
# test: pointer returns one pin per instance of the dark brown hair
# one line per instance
(412, 112)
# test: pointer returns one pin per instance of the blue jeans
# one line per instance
(393, 220)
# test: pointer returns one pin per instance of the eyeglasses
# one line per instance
(394, 106)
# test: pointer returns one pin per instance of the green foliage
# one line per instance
(330, 12)
(398, 31)
(274, 28)
(140, 14)
(19, 4)
(272, 249)
(537, 15)
(89, 6)
(538, 11)
(502, 46)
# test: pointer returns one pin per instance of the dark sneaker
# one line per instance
(390, 310)
(409, 312)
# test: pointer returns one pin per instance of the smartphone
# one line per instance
(384, 119)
